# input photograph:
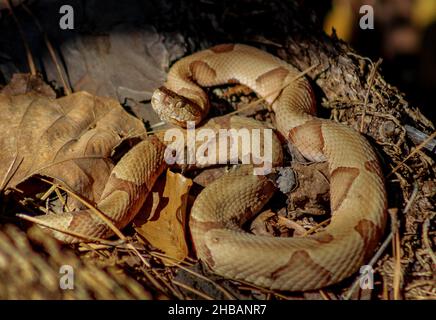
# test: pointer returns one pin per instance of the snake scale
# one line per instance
(357, 194)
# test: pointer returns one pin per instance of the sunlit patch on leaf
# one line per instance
(162, 220)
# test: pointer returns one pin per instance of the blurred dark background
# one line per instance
(404, 33)
(404, 36)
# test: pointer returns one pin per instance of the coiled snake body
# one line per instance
(357, 194)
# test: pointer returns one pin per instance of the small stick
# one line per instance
(371, 263)
(158, 124)
(371, 81)
(70, 233)
(419, 147)
(197, 292)
(48, 192)
(30, 61)
(250, 286)
(62, 199)
(316, 227)
(253, 103)
(426, 240)
(100, 214)
(8, 176)
(324, 295)
(93, 209)
(256, 102)
(396, 249)
(394, 229)
(67, 89)
(179, 265)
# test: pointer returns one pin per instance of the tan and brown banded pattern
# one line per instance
(358, 198)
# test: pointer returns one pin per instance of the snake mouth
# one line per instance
(175, 108)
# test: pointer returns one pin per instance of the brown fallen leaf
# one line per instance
(311, 195)
(162, 220)
(70, 139)
(119, 61)
(22, 83)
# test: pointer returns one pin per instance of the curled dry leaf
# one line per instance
(311, 196)
(70, 139)
(162, 221)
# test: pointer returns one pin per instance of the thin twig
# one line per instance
(324, 295)
(277, 91)
(197, 292)
(68, 232)
(8, 175)
(92, 208)
(371, 81)
(371, 263)
(29, 56)
(174, 262)
(253, 103)
(394, 229)
(168, 284)
(412, 197)
(198, 275)
(396, 249)
(67, 89)
(316, 227)
(48, 193)
(62, 199)
(158, 124)
(101, 215)
(250, 286)
(419, 147)
(426, 240)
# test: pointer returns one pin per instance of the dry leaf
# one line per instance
(22, 83)
(70, 139)
(162, 221)
(122, 62)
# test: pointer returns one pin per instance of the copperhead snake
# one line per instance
(357, 195)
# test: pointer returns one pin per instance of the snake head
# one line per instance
(174, 108)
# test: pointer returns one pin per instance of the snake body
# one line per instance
(357, 194)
